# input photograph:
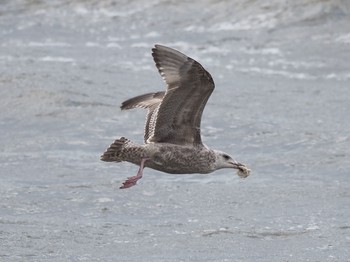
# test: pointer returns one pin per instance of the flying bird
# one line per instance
(172, 135)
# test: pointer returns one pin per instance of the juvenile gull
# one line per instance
(172, 138)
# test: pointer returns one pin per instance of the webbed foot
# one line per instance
(131, 181)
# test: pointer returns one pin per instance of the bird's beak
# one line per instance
(236, 165)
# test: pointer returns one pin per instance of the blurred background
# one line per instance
(281, 105)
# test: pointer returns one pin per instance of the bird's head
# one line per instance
(223, 160)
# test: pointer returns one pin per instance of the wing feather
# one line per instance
(189, 85)
(174, 116)
(148, 101)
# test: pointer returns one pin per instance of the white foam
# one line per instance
(295, 64)
(266, 71)
(343, 39)
(80, 10)
(48, 43)
(339, 77)
(194, 28)
(152, 34)
(215, 49)
(312, 227)
(104, 200)
(114, 45)
(251, 22)
(57, 59)
(263, 51)
(92, 44)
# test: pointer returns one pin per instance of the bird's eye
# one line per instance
(226, 157)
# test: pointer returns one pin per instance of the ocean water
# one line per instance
(281, 105)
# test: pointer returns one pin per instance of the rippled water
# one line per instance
(281, 105)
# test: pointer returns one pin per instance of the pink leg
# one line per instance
(131, 181)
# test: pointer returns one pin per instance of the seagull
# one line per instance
(172, 135)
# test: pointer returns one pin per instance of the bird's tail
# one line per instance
(115, 152)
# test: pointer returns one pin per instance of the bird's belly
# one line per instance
(177, 168)
(181, 160)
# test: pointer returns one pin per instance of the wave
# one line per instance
(223, 15)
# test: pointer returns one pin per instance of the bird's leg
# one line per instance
(131, 181)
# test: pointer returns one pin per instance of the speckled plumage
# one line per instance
(172, 137)
(164, 157)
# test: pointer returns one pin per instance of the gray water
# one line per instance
(281, 105)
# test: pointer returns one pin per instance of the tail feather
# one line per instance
(115, 151)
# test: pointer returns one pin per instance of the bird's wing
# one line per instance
(148, 101)
(177, 118)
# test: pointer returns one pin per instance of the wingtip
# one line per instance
(158, 46)
(155, 49)
(122, 106)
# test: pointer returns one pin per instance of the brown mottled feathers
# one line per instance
(112, 153)
(174, 116)
(122, 149)
(150, 101)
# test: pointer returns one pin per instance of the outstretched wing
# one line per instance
(148, 101)
(177, 118)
